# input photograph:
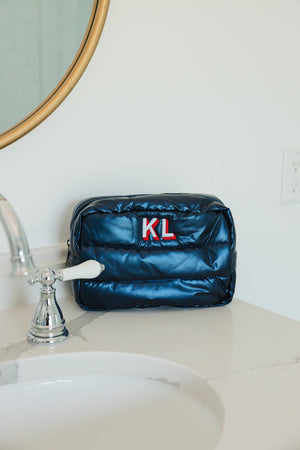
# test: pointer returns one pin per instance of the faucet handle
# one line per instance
(47, 276)
(86, 270)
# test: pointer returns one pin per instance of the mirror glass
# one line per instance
(38, 42)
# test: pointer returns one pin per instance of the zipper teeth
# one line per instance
(86, 202)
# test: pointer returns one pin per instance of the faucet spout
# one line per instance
(21, 258)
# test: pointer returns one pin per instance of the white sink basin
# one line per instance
(106, 401)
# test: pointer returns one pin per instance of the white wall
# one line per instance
(193, 96)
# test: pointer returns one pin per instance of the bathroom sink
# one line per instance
(106, 401)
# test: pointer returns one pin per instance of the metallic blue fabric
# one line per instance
(158, 250)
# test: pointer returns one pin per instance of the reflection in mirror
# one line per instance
(38, 41)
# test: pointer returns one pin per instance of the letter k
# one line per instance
(148, 228)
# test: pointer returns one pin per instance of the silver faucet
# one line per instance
(21, 258)
(47, 326)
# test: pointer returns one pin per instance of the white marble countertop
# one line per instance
(250, 356)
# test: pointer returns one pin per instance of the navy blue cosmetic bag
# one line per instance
(158, 250)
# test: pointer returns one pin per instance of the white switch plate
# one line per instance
(290, 186)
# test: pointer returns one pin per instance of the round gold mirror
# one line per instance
(45, 46)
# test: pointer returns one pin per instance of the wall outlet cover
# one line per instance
(290, 186)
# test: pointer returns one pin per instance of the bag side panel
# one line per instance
(179, 293)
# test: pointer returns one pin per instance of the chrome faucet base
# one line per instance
(46, 335)
(48, 324)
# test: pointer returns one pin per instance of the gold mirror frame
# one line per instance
(69, 80)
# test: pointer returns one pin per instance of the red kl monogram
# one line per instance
(148, 228)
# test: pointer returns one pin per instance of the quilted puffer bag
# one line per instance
(158, 250)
